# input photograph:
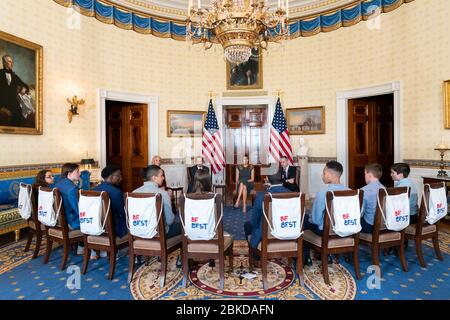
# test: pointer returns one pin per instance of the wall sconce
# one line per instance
(76, 100)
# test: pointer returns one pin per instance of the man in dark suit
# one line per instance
(288, 174)
(10, 85)
(254, 226)
(192, 170)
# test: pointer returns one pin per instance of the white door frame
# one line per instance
(342, 98)
(152, 114)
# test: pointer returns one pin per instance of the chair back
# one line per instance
(218, 237)
(329, 216)
(379, 225)
(267, 219)
(25, 202)
(386, 208)
(435, 204)
(61, 223)
(267, 236)
(161, 235)
(106, 217)
(424, 205)
(190, 178)
(200, 219)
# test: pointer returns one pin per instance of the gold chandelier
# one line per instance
(238, 25)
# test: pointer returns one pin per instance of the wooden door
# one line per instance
(370, 137)
(245, 133)
(127, 140)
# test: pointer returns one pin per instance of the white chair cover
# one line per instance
(200, 219)
(46, 212)
(142, 217)
(396, 216)
(25, 204)
(346, 214)
(91, 215)
(287, 217)
(437, 205)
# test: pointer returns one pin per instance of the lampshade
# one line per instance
(87, 161)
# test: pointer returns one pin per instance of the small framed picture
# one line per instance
(308, 120)
(185, 123)
(247, 75)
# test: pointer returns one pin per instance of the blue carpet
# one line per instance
(23, 278)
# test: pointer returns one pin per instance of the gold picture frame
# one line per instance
(21, 95)
(447, 104)
(307, 120)
(247, 75)
(185, 123)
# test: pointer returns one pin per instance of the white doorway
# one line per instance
(342, 98)
(150, 100)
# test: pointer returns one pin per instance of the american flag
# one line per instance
(212, 146)
(279, 136)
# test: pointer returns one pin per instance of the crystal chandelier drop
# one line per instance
(238, 25)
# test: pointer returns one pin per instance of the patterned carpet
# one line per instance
(23, 278)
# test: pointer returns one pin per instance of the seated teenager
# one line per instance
(154, 179)
(192, 170)
(331, 176)
(44, 178)
(288, 174)
(68, 188)
(399, 174)
(112, 179)
(372, 174)
(253, 227)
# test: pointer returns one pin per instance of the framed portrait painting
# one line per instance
(247, 75)
(20, 86)
(185, 123)
(309, 120)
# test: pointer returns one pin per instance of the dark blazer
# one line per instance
(9, 97)
(292, 172)
(192, 170)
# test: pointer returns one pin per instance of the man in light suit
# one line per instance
(192, 170)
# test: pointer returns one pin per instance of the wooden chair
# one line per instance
(330, 242)
(107, 241)
(191, 178)
(61, 233)
(157, 246)
(273, 248)
(216, 248)
(35, 227)
(381, 237)
(422, 230)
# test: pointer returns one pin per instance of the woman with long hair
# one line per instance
(245, 176)
(202, 182)
(44, 178)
